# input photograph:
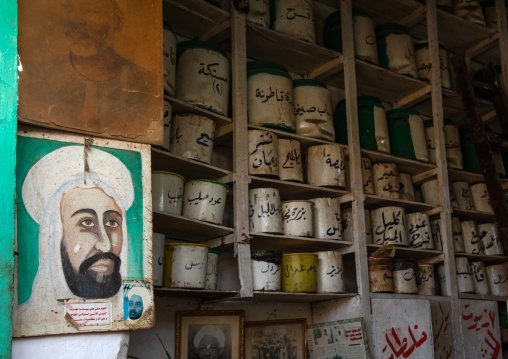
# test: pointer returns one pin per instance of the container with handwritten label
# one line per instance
(441, 276)
(259, 12)
(299, 272)
(265, 213)
(431, 192)
(167, 192)
(327, 221)
(297, 218)
(498, 279)
(472, 241)
(404, 276)
(367, 176)
(490, 11)
(347, 223)
(470, 10)
(212, 270)
(435, 229)
(205, 200)
(395, 49)
(290, 160)
(158, 259)
(166, 132)
(294, 18)
(424, 65)
(313, 109)
(458, 240)
(386, 180)
(406, 189)
(465, 282)
(185, 265)
(325, 166)
(270, 96)
(203, 75)
(427, 284)
(266, 270)
(418, 230)
(330, 276)
(430, 140)
(481, 197)
(407, 134)
(480, 280)
(491, 242)
(452, 145)
(388, 226)
(192, 137)
(169, 57)
(263, 153)
(463, 196)
(380, 274)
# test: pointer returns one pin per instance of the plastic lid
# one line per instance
(169, 173)
(211, 181)
(402, 111)
(167, 25)
(265, 65)
(308, 82)
(198, 43)
(189, 244)
(390, 28)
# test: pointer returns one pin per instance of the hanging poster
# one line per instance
(84, 234)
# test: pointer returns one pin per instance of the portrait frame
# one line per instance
(230, 322)
(264, 329)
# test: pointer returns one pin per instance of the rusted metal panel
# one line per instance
(84, 234)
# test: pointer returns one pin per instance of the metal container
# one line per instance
(167, 192)
(347, 224)
(441, 275)
(380, 274)
(481, 197)
(263, 153)
(491, 242)
(330, 275)
(472, 242)
(470, 10)
(313, 109)
(367, 177)
(386, 180)
(458, 240)
(388, 226)
(166, 134)
(265, 215)
(463, 195)
(418, 230)
(299, 272)
(407, 134)
(259, 12)
(212, 270)
(169, 58)
(205, 200)
(406, 187)
(203, 76)
(185, 265)
(498, 279)
(294, 18)
(396, 50)
(266, 270)
(290, 160)
(327, 221)
(480, 280)
(404, 276)
(325, 166)
(270, 96)
(192, 137)
(424, 65)
(452, 144)
(158, 259)
(427, 284)
(297, 218)
(431, 191)
(437, 237)
(465, 283)
(368, 226)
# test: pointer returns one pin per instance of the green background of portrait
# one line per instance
(29, 151)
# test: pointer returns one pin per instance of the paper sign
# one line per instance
(90, 313)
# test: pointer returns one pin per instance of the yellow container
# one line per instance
(185, 265)
(299, 272)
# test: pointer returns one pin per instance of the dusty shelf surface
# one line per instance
(373, 202)
(182, 107)
(294, 244)
(260, 296)
(196, 293)
(483, 257)
(412, 167)
(483, 297)
(408, 252)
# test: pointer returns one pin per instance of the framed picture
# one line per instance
(209, 334)
(276, 339)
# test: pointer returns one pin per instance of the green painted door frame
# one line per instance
(8, 110)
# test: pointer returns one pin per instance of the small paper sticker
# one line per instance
(87, 314)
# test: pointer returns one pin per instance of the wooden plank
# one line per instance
(469, 215)
(482, 46)
(407, 252)
(408, 296)
(413, 17)
(216, 30)
(412, 167)
(484, 258)
(8, 108)
(294, 244)
(460, 175)
(179, 106)
(298, 297)
(388, 11)
(325, 70)
(195, 293)
(424, 177)
(373, 202)
(413, 98)
(483, 297)
(503, 41)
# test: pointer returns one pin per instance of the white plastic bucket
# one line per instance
(167, 192)
(205, 200)
(263, 153)
(327, 221)
(265, 212)
(386, 180)
(481, 197)
(188, 265)
(192, 137)
(297, 218)
(290, 160)
(325, 166)
(330, 275)
(388, 226)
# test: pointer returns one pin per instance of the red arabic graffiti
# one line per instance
(400, 348)
(443, 326)
(477, 323)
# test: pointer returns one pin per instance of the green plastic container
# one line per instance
(469, 155)
(332, 30)
(407, 135)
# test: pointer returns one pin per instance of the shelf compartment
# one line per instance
(182, 107)
(479, 217)
(180, 227)
(408, 296)
(190, 169)
(196, 293)
(387, 11)
(293, 243)
(460, 175)
(298, 56)
(407, 252)
(374, 202)
(259, 296)
(295, 190)
(412, 167)
(483, 257)
(483, 297)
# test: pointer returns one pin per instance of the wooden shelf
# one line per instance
(190, 169)
(294, 244)
(209, 295)
(387, 11)
(483, 257)
(483, 297)
(181, 107)
(412, 167)
(479, 217)
(374, 202)
(297, 297)
(180, 227)
(294, 190)
(460, 175)
(408, 296)
(408, 252)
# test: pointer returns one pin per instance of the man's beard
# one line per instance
(88, 283)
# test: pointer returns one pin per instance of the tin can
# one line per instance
(386, 180)
(498, 279)
(480, 280)
(388, 226)
(368, 226)
(327, 221)
(396, 50)
(470, 10)
(367, 176)
(185, 265)
(347, 223)
(299, 272)
(418, 230)
(167, 114)
(266, 270)
(158, 259)
(404, 276)
(203, 75)
(205, 200)
(424, 65)
(313, 109)
(259, 12)
(437, 237)
(290, 160)
(330, 272)
(325, 166)
(212, 270)
(481, 197)
(406, 187)
(294, 18)
(441, 276)
(169, 58)
(427, 284)
(192, 137)
(407, 134)
(458, 240)
(265, 214)
(167, 192)
(463, 195)
(380, 274)
(472, 241)
(452, 144)
(263, 155)
(297, 218)
(431, 191)
(491, 243)
(465, 283)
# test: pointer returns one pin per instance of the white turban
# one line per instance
(213, 331)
